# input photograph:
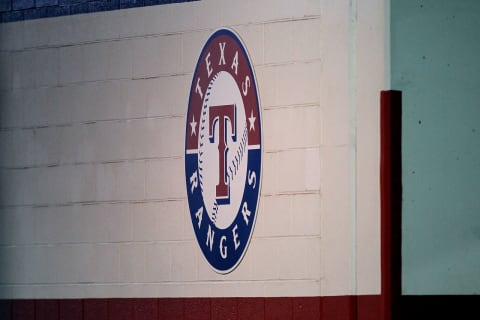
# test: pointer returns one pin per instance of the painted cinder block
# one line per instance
(120, 181)
(132, 265)
(292, 41)
(77, 146)
(158, 221)
(134, 96)
(69, 259)
(302, 177)
(120, 60)
(6, 144)
(335, 75)
(159, 261)
(285, 214)
(18, 267)
(19, 147)
(184, 261)
(54, 184)
(56, 112)
(192, 44)
(102, 265)
(75, 29)
(106, 140)
(336, 187)
(6, 179)
(71, 64)
(17, 227)
(167, 96)
(93, 101)
(275, 216)
(47, 145)
(106, 60)
(303, 123)
(112, 222)
(25, 180)
(46, 67)
(147, 50)
(159, 133)
(11, 113)
(37, 102)
(109, 141)
(253, 37)
(298, 84)
(95, 61)
(6, 81)
(23, 62)
(292, 288)
(12, 36)
(263, 250)
(104, 25)
(299, 257)
(243, 271)
(53, 225)
(83, 101)
(160, 181)
(35, 33)
(290, 84)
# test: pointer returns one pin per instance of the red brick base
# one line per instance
(324, 308)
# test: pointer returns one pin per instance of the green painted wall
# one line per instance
(435, 47)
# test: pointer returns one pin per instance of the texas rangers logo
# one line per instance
(223, 150)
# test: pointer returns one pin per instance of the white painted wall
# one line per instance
(92, 124)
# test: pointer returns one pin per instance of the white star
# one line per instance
(193, 124)
(252, 121)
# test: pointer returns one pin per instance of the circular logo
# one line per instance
(223, 150)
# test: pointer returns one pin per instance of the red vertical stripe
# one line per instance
(391, 199)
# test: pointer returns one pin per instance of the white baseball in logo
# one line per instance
(222, 90)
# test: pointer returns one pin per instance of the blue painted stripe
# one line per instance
(18, 10)
(5, 5)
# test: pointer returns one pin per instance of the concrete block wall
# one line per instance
(92, 128)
